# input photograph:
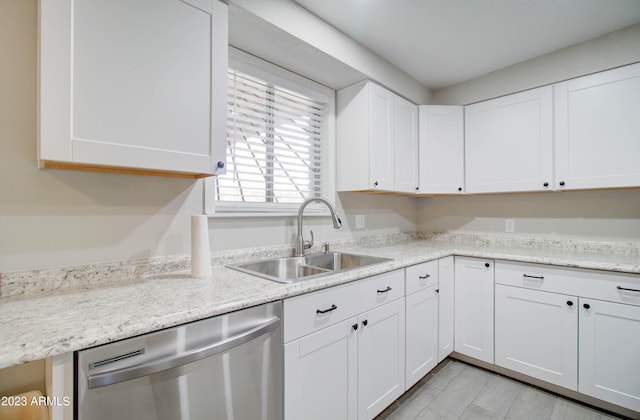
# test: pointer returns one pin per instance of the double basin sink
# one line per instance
(293, 269)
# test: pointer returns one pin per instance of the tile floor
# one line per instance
(456, 390)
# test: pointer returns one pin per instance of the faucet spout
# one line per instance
(301, 244)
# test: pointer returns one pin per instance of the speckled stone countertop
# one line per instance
(42, 316)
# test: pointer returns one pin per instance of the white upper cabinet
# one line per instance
(137, 85)
(597, 126)
(405, 145)
(376, 132)
(381, 154)
(441, 131)
(509, 143)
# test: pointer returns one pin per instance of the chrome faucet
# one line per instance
(301, 244)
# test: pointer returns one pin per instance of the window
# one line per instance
(278, 127)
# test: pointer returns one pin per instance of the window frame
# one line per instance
(251, 65)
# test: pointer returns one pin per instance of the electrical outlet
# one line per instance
(360, 221)
(509, 225)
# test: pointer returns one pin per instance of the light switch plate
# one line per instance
(360, 221)
(509, 225)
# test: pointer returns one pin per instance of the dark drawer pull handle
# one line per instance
(586, 306)
(332, 308)
(388, 289)
(355, 327)
(533, 277)
(569, 303)
(426, 276)
(628, 290)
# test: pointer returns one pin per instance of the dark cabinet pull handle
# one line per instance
(332, 308)
(562, 183)
(364, 323)
(546, 184)
(388, 289)
(417, 188)
(437, 290)
(459, 188)
(628, 290)
(533, 277)
(487, 265)
(355, 326)
(586, 306)
(375, 184)
(426, 276)
(569, 303)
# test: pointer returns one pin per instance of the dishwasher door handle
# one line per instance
(98, 380)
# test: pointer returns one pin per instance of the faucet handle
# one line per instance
(308, 244)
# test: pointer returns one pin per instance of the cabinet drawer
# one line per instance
(603, 285)
(314, 311)
(381, 289)
(421, 276)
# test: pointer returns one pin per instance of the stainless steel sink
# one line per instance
(292, 269)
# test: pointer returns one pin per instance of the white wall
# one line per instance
(281, 21)
(602, 53)
(589, 215)
(383, 214)
(61, 218)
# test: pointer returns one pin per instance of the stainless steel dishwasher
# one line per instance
(226, 367)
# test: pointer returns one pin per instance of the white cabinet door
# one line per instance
(597, 124)
(536, 333)
(445, 307)
(381, 169)
(610, 352)
(381, 357)
(139, 84)
(406, 146)
(474, 308)
(321, 373)
(441, 130)
(421, 334)
(376, 140)
(509, 143)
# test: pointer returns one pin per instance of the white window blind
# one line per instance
(273, 145)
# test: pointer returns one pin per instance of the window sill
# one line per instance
(240, 215)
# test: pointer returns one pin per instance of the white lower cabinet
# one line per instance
(446, 276)
(576, 328)
(422, 303)
(321, 374)
(381, 358)
(474, 308)
(422, 333)
(610, 352)
(351, 350)
(350, 366)
(536, 334)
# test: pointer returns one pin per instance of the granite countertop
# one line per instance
(38, 325)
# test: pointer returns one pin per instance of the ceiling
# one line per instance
(444, 42)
